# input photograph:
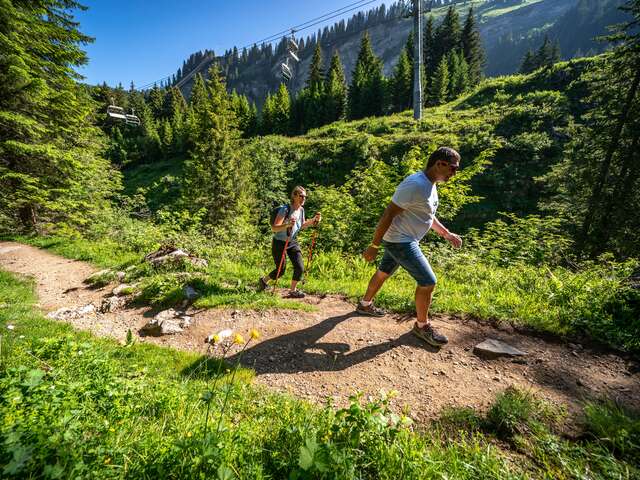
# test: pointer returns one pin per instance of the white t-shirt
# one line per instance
(419, 199)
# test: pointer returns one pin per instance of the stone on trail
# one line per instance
(173, 256)
(166, 322)
(95, 276)
(68, 313)
(113, 303)
(492, 348)
(122, 289)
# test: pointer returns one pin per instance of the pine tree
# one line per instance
(367, 90)
(267, 121)
(282, 111)
(472, 48)
(430, 49)
(402, 83)
(335, 90)
(528, 63)
(458, 74)
(448, 35)
(215, 178)
(311, 104)
(315, 80)
(51, 172)
(244, 113)
(544, 57)
(167, 139)
(440, 83)
(200, 110)
(156, 101)
(600, 179)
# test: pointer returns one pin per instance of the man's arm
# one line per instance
(441, 230)
(384, 223)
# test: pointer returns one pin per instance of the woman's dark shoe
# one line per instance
(296, 294)
(262, 285)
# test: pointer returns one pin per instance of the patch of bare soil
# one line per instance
(335, 352)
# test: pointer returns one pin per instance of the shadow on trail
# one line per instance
(302, 350)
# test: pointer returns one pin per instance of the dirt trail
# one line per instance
(334, 352)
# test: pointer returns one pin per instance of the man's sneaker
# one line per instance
(370, 310)
(429, 335)
(262, 285)
(296, 294)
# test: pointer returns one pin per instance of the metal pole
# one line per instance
(417, 59)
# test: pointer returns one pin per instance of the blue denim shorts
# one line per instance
(410, 257)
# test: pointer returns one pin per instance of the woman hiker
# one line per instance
(289, 220)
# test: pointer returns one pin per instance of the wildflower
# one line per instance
(112, 429)
(254, 334)
(238, 339)
(189, 434)
(392, 394)
(11, 327)
(107, 461)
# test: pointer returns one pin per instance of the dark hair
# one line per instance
(446, 154)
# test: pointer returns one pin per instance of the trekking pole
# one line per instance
(282, 260)
(310, 257)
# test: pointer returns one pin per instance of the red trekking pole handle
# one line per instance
(282, 260)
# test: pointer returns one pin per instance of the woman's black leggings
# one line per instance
(295, 255)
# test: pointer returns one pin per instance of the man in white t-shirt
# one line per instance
(406, 220)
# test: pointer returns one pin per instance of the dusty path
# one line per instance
(334, 352)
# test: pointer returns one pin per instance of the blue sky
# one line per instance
(143, 41)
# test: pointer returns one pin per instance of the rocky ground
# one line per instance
(333, 352)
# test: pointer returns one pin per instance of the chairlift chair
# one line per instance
(286, 71)
(116, 113)
(294, 56)
(132, 119)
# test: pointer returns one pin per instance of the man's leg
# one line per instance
(423, 302)
(376, 282)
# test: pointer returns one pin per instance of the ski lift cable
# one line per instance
(358, 4)
(303, 26)
(275, 37)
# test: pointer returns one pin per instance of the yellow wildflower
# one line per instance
(189, 434)
(238, 339)
(255, 334)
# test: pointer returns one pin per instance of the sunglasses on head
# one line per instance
(301, 195)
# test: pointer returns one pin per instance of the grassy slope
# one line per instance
(75, 406)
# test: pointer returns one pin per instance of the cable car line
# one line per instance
(302, 26)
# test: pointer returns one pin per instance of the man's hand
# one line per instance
(370, 253)
(453, 239)
(317, 218)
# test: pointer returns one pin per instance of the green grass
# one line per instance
(73, 406)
